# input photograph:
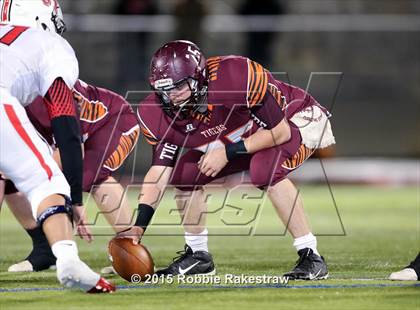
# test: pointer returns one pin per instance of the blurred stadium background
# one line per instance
(365, 52)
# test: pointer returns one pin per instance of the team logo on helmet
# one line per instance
(163, 83)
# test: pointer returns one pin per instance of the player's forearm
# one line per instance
(66, 133)
(267, 138)
(154, 185)
(66, 129)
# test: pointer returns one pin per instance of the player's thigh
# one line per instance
(270, 166)
(25, 158)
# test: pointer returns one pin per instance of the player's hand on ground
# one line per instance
(135, 233)
(213, 162)
(80, 221)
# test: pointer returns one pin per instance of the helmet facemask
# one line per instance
(184, 108)
(58, 21)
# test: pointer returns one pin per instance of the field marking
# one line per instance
(309, 286)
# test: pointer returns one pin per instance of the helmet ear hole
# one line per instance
(45, 14)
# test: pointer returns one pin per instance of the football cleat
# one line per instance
(23, 266)
(309, 266)
(407, 274)
(103, 286)
(41, 258)
(190, 263)
(74, 273)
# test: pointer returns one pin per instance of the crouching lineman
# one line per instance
(233, 116)
(110, 132)
(36, 61)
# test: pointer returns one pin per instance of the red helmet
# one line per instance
(173, 65)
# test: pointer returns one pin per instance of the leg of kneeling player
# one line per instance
(268, 169)
(39, 178)
(190, 202)
(120, 138)
(111, 199)
(41, 257)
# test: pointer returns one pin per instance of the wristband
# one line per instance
(144, 215)
(235, 149)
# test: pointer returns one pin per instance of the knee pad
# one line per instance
(66, 208)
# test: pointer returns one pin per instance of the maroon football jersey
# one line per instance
(242, 96)
(95, 107)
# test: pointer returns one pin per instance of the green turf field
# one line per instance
(381, 234)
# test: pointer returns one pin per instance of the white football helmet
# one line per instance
(44, 14)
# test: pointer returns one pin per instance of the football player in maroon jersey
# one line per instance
(232, 116)
(110, 132)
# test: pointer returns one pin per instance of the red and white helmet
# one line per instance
(44, 14)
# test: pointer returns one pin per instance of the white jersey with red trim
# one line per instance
(24, 157)
(31, 59)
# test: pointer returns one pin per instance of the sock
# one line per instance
(65, 250)
(41, 256)
(197, 242)
(71, 271)
(307, 241)
(38, 237)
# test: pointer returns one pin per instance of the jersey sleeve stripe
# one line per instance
(213, 65)
(250, 82)
(257, 83)
(149, 138)
(277, 94)
(14, 119)
(128, 141)
(5, 10)
(144, 127)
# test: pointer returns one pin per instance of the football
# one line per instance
(130, 261)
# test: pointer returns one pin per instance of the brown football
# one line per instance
(129, 259)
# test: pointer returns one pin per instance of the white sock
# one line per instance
(307, 241)
(71, 271)
(65, 250)
(197, 242)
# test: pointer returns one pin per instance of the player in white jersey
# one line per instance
(35, 61)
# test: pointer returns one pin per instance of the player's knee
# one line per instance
(266, 178)
(260, 176)
(184, 177)
(55, 204)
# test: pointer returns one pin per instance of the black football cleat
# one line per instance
(190, 263)
(308, 267)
